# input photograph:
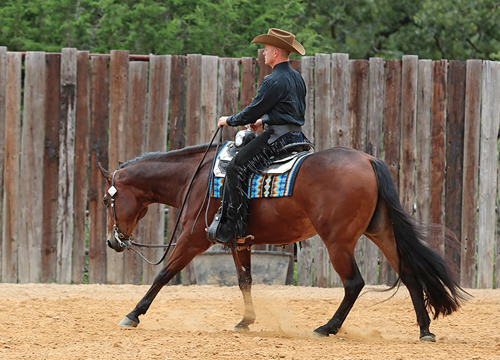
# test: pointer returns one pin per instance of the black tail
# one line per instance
(417, 260)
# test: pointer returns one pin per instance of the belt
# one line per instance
(278, 131)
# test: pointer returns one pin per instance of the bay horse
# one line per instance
(340, 194)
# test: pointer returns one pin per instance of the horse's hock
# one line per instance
(217, 268)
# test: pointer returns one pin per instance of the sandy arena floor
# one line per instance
(59, 322)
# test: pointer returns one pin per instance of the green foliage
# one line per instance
(451, 29)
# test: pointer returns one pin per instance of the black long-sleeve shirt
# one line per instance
(281, 97)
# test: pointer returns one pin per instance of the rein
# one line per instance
(126, 241)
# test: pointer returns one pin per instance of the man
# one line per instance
(277, 115)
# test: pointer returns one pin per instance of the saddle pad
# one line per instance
(267, 185)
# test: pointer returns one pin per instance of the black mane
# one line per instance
(158, 154)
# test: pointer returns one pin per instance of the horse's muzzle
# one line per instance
(115, 245)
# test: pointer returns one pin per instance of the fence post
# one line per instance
(3, 95)
(10, 244)
(32, 146)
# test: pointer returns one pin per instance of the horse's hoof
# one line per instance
(429, 338)
(126, 322)
(241, 328)
(318, 335)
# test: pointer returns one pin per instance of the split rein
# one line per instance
(126, 241)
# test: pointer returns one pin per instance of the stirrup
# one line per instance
(214, 226)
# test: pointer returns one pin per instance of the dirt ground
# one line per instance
(58, 322)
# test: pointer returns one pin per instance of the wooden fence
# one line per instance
(434, 122)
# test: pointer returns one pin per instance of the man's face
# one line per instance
(270, 53)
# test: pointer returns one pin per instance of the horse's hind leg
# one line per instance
(242, 261)
(345, 265)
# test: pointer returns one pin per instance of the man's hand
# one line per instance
(223, 121)
(257, 126)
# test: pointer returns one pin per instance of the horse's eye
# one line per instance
(106, 201)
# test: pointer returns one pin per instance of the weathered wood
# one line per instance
(423, 161)
(374, 147)
(438, 138)
(3, 90)
(392, 136)
(322, 136)
(408, 129)
(340, 100)
(11, 207)
(305, 248)
(208, 116)
(228, 93)
(358, 99)
(247, 81)
(488, 173)
(65, 207)
(470, 183)
(307, 72)
(30, 234)
(158, 107)
(177, 140)
(50, 165)
(193, 100)
(118, 139)
(82, 135)
(98, 154)
(137, 100)
(454, 159)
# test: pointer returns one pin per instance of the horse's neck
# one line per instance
(167, 181)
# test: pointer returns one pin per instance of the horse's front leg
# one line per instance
(185, 250)
(244, 270)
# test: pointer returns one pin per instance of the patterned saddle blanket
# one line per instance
(275, 181)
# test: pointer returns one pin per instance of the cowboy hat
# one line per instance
(281, 39)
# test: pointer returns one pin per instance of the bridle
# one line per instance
(126, 241)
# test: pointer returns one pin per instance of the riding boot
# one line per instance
(223, 226)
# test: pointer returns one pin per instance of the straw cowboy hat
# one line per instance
(281, 39)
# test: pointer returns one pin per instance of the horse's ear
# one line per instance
(120, 164)
(104, 172)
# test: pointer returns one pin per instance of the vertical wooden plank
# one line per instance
(408, 131)
(423, 161)
(392, 136)
(193, 111)
(228, 92)
(177, 140)
(438, 138)
(11, 206)
(208, 116)
(488, 173)
(358, 100)
(118, 138)
(247, 81)
(3, 90)
(470, 183)
(158, 105)
(82, 135)
(99, 153)
(307, 72)
(340, 100)
(193, 100)
(137, 100)
(51, 170)
(454, 158)
(31, 194)
(322, 136)
(305, 248)
(65, 213)
(374, 147)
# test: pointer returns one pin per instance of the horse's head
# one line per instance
(124, 210)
